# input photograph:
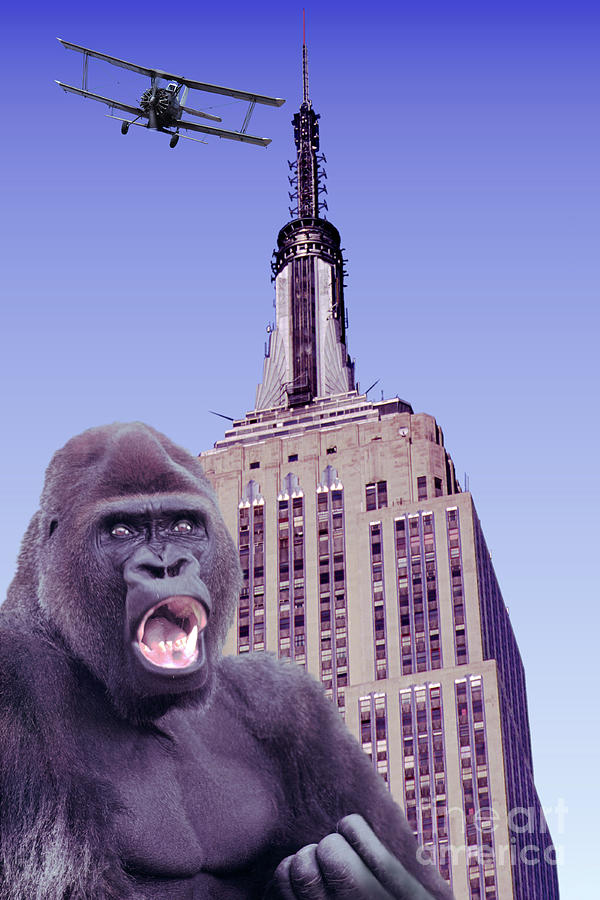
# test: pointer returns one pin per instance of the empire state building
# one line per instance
(365, 563)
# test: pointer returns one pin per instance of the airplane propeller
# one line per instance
(155, 102)
(152, 105)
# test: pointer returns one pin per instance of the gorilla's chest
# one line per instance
(201, 799)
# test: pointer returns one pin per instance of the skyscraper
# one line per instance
(365, 563)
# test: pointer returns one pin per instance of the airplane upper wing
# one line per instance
(229, 92)
(157, 73)
(114, 103)
(223, 133)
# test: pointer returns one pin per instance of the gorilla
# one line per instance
(138, 762)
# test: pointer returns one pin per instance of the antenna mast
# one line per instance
(305, 96)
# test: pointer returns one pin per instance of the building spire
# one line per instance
(306, 355)
(308, 175)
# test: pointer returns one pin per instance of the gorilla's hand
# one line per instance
(352, 864)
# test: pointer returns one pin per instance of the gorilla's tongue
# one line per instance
(168, 635)
(159, 629)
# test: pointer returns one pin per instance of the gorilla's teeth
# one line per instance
(190, 644)
(162, 646)
(179, 644)
(169, 645)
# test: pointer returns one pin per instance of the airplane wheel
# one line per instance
(124, 127)
(174, 140)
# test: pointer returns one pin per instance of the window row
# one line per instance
(424, 770)
(474, 769)
(461, 649)
(417, 588)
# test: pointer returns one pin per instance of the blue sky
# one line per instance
(462, 143)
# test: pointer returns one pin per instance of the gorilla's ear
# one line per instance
(52, 528)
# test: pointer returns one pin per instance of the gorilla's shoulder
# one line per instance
(18, 659)
(33, 674)
(277, 699)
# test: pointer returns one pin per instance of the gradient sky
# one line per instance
(462, 143)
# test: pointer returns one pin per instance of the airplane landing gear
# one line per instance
(173, 141)
(124, 127)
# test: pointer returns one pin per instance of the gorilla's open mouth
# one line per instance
(167, 635)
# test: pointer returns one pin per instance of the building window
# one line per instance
(422, 487)
(376, 495)
(255, 465)
(331, 450)
(371, 496)
(292, 457)
(437, 482)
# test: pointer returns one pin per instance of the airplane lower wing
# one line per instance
(116, 104)
(223, 133)
(189, 126)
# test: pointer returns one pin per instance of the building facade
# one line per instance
(365, 563)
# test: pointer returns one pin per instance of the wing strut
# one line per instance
(86, 57)
(248, 116)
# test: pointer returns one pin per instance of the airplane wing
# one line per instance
(123, 64)
(223, 133)
(157, 73)
(230, 92)
(116, 104)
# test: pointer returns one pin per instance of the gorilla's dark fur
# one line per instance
(120, 778)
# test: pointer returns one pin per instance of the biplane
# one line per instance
(162, 107)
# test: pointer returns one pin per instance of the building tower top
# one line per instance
(306, 136)
(306, 356)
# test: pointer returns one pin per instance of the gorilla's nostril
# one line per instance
(153, 571)
(176, 568)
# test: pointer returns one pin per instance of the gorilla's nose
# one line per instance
(148, 565)
(171, 571)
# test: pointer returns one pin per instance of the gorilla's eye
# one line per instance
(183, 526)
(121, 531)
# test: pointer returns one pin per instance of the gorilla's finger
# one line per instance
(344, 872)
(280, 888)
(305, 875)
(387, 869)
